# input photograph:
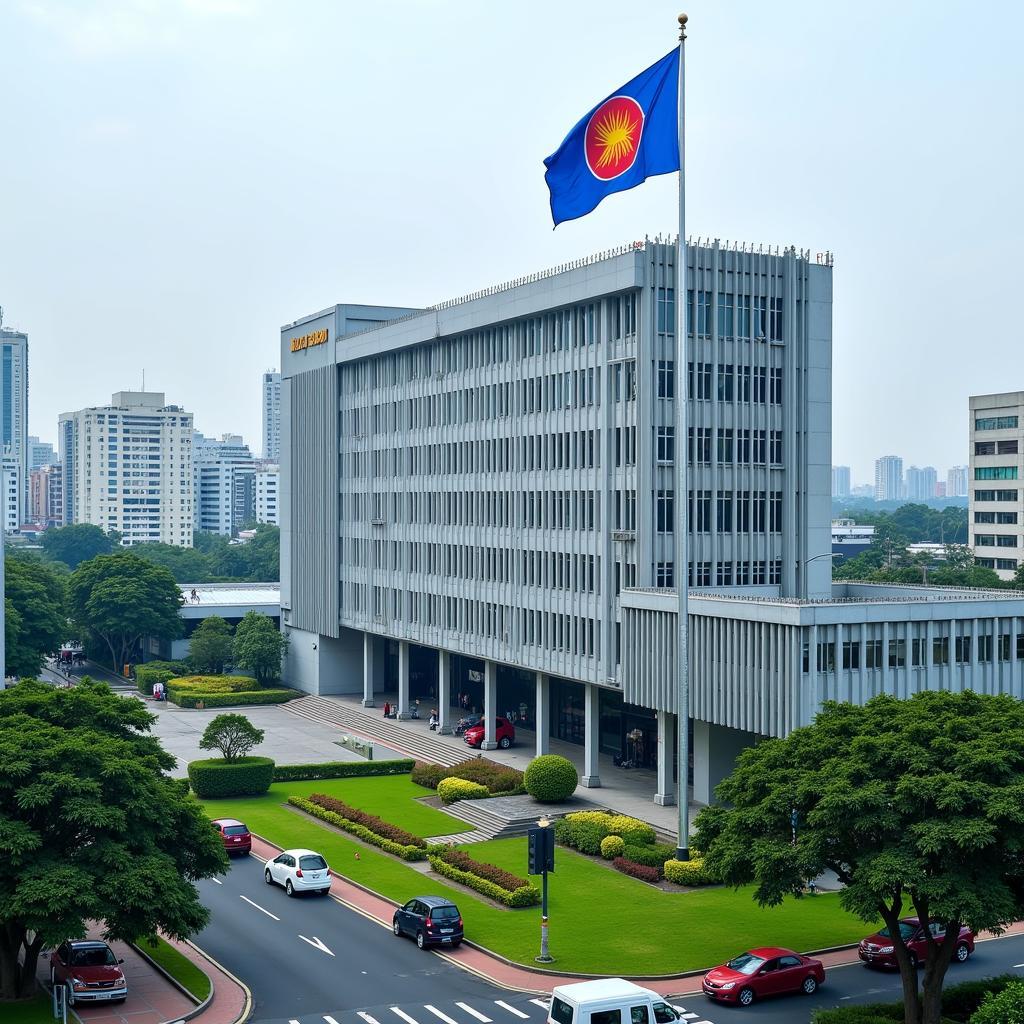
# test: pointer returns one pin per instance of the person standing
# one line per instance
(387, 709)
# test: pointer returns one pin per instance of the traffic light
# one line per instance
(541, 845)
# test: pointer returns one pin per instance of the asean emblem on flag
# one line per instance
(612, 138)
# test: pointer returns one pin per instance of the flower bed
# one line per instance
(367, 827)
(498, 778)
(487, 879)
(634, 870)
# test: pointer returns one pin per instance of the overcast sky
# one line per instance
(180, 177)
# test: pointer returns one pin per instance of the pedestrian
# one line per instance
(387, 709)
(433, 719)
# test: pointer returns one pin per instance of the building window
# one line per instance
(995, 472)
(664, 575)
(984, 517)
(940, 650)
(665, 506)
(984, 540)
(666, 310)
(723, 512)
(776, 320)
(725, 315)
(995, 495)
(873, 654)
(703, 313)
(703, 507)
(666, 379)
(725, 382)
(826, 656)
(918, 651)
(1007, 564)
(897, 653)
(1002, 541)
(996, 423)
(984, 447)
(699, 381)
(851, 654)
(1005, 518)
(984, 648)
(666, 443)
(1006, 447)
(962, 649)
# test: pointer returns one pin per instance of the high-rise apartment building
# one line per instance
(996, 506)
(919, 484)
(46, 495)
(40, 453)
(957, 479)
(224, 483)
(889, 478)
(268, 509)
(271, 416)
(14, 423)
(840, 481)
(127, 467)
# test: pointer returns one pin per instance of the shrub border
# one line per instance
(360, 831)
(341, 770)
(524, 896)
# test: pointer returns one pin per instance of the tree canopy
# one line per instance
(77, 543)
(259, 647)
(915, 804)
(232, 734)
(91, 827)
(210, 645)
(36, 622)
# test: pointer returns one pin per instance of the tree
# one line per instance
(265, 554)
(914, 804)
(233, 735)
(77, 543)
(93, 827)
(186, 564)
(119, 599)
(36, 593)
(210, 646)
(260, 647)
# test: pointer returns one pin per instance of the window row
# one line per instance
(996, 495)
(1005, 518)
(870, 654)
(997, 563)
(759, 384)
(995, 423)
(996, 447)
(995, 472)
(995, 540)
(741, 447)
(738, 316)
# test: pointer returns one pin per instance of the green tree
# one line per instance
(233, 735)
(265, 554)
(92, 828)
(119, 599)
(77, 543)
(259, 647)
(36, 593)
(186, 565)
(210, 646)
(914, 804)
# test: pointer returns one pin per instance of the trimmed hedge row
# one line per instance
(213, 684)
(340, 769)
(230, 700)
(653, 856)
(405, 851)
(634, 870)
(498, 778)
(499, 876)
(215, 777)
(450, 790)
(525, 896)
(688, 872)
(585, 830)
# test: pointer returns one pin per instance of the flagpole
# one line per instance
(682, 448)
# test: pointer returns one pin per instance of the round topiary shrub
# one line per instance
(612, 847)
(551, 778)
(246, 776)
(450, 790)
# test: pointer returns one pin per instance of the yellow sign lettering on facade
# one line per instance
(309, 340)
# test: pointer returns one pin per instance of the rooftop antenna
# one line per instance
(143, 378)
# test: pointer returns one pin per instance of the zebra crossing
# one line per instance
(497, 1011)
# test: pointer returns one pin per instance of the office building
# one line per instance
(46, 496)
(849, 539)
(40, 453)
(11, 468)
(478, 499)
(863, 491)
(957, 481)
(224, 483)
(267, 508)
(127, 467)
(889, 478)
(840, 481)
(14, 422)
(995, 505)
(271, 416)
(919, 484)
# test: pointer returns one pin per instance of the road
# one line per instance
(312, 960)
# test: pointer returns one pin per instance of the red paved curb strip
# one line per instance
(230, 1000)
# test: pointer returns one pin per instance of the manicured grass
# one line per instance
(28, 1011)
(601, 921)
(179, 967)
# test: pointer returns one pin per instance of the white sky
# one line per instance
(180, 177)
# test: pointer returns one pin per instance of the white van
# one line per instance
(608, 1001)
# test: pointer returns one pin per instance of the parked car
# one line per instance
(89, 971)
(430, 920)
(767, 971)
(299, 871)
(504, 733)
(878, 951)
(235, 835)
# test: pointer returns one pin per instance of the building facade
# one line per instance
(14, 423)
(920, 483)
(224, 474)
(46, 496)
(957, 478)
(128, 467)
(889, 478)
(271, 416)
(268, 490)
(40, 453)
(840, 481)
(995, 505)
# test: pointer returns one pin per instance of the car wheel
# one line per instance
(325, 892)
(456, 943)
(746, 996)
(961, 953)
(267, 878)
(809, 986)
(420, 940)
(288, 888)
(396, 927)
(504, 743)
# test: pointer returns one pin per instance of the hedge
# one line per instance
(230, 700)
(612, 846)
(498, 778)
(450, 790)
(584, 836)
(1006, 1007)
(214, 684)
(215, 777)
(653, 856)
(340, 769)
(960, 1001)
(360, 831)
(688, 872)
(634, 870)
(156, 672)
(499, 876)
(526, 896)
(633, 830)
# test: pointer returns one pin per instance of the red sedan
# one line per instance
(235, 835)
(504, 733)
(767, 971)
(878, 951)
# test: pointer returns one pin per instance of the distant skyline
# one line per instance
(181, 179)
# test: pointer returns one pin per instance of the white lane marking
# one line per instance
(544, 1004)
(218, 881)
(512, 1009)
(404, 1015)
(474, 1013)
(330, 1020)
(367, 1017)
(293, 1021)
(316, 944)
(437, 1013)
(258, 907)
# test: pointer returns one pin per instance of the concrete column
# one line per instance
(369, 649)
(591, 727)
(444, 693)
(715, 749)
(403, 680)
(542, 714)
(490, 705)
(666, 795)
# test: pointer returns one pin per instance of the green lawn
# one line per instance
(28, 1011)
(179, 967)
(602, 922)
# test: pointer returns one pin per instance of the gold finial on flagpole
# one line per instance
(683, 19)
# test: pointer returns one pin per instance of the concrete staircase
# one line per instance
(492, 819)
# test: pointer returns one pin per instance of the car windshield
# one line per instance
(312, 862)
(746, 963)
(235, 830)
(448, 913)
(906, 931)
(98, 956)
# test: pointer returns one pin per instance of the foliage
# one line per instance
(214, 559)
(84, 787)
(915, 804)
(632, 830)
(551, 778)
(498, 778)
(870, 1013)
(119, 599)
(245, 776)
(961, 1000)
(653, 855)
(635, 870)
(450, 790)
(690, 873)
(259, 647)
(213, 684)
(428, 775)
(77, 543)
(151, 672)
(582, 834)
(340, 769)
(491, 881)
(1005, 1008)
(186, 565)
(209, 649)
(913, 523)
(248, 698)
(612, 846)
(233, 735)
(35, 595)
(415, 850)
(370, 821)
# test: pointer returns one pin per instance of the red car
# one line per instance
(235, 835)
(504, 733)
(767, 971)
(877, 950)
(89, 971)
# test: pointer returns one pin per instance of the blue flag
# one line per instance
(628, 137)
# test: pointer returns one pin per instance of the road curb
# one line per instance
(200, 1004)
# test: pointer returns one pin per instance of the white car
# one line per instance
(299, 871)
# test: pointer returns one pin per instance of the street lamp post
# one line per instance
(541, 861)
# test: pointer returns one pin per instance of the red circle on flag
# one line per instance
(612, 139)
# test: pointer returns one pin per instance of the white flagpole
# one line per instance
(682, 447)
